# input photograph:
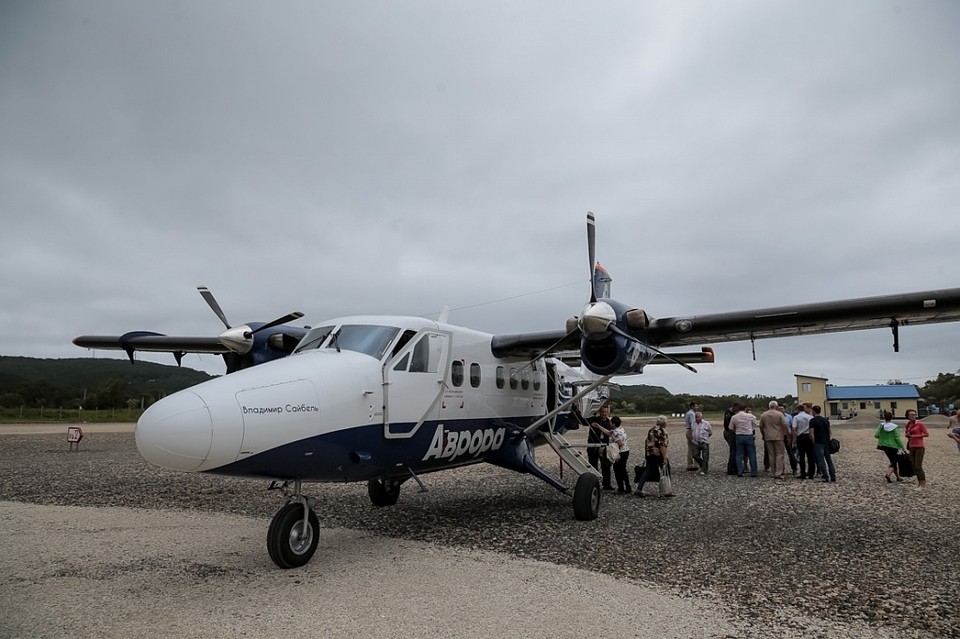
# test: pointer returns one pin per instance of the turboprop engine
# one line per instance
(606, 344)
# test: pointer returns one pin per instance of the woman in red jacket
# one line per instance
(916, 432)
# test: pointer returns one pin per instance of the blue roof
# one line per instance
(879, 391)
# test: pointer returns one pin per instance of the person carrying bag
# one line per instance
(658, 463)
(666, 481)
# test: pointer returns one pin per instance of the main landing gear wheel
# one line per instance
(291, 542)
(586, 497)
(383, 492)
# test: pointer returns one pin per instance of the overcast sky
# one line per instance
(394, 157)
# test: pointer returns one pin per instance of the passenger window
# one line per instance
(513, 379)
(475, 375)
(525, 379)
(501, 377)
(536, 380)
(456, 373)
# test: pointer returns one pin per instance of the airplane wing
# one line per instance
(152, 342)
(241, 346)
(890, 311)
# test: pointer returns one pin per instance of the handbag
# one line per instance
(613, 453)
(904, 465)
(638, 471)
(834, 446)
(666, 484)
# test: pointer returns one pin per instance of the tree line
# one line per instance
(88, 383)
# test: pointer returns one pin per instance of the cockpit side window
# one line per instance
(404, 339)
(421, 356)
(313, 339)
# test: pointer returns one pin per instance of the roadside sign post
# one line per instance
(74, 435)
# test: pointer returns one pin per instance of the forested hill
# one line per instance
(638, 390)
(104, 382)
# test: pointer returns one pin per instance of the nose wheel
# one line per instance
(294, 533)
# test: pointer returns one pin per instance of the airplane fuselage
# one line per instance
(370, 398)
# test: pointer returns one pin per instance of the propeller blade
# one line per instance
(280, 320)
(619, 331)
(592, 251)
(212, 303)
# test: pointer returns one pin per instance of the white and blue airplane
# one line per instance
(384, 400)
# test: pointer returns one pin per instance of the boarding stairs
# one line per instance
(569, 453)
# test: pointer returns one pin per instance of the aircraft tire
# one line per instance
(586, 497)
(383, 492)
(286, 543)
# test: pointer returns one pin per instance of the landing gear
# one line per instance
(586, 497)
(294, 532)
(383, 492)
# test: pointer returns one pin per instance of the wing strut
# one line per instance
(895, 327)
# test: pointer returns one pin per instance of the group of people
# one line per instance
(801, 439)
(605, 432)
(891, 442)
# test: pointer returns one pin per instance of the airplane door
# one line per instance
(413, 383)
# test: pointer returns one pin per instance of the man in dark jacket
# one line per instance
(600, 437)
(820, 427)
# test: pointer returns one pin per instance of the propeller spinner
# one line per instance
(239, 339)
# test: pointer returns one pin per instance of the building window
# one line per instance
(475, 375)
(806, 387)
(875, 405)
(456, 373)
(893, 406)
(501, 377)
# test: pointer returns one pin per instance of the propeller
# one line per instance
(592, 252)
(212, 303)
(600, 318)
(240, 338)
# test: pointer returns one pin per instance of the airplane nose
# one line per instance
(176, 432)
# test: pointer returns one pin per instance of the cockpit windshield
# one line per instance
(362, 338)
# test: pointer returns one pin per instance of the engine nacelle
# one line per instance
(611, 353)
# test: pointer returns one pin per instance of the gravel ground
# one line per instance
(857, 558)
